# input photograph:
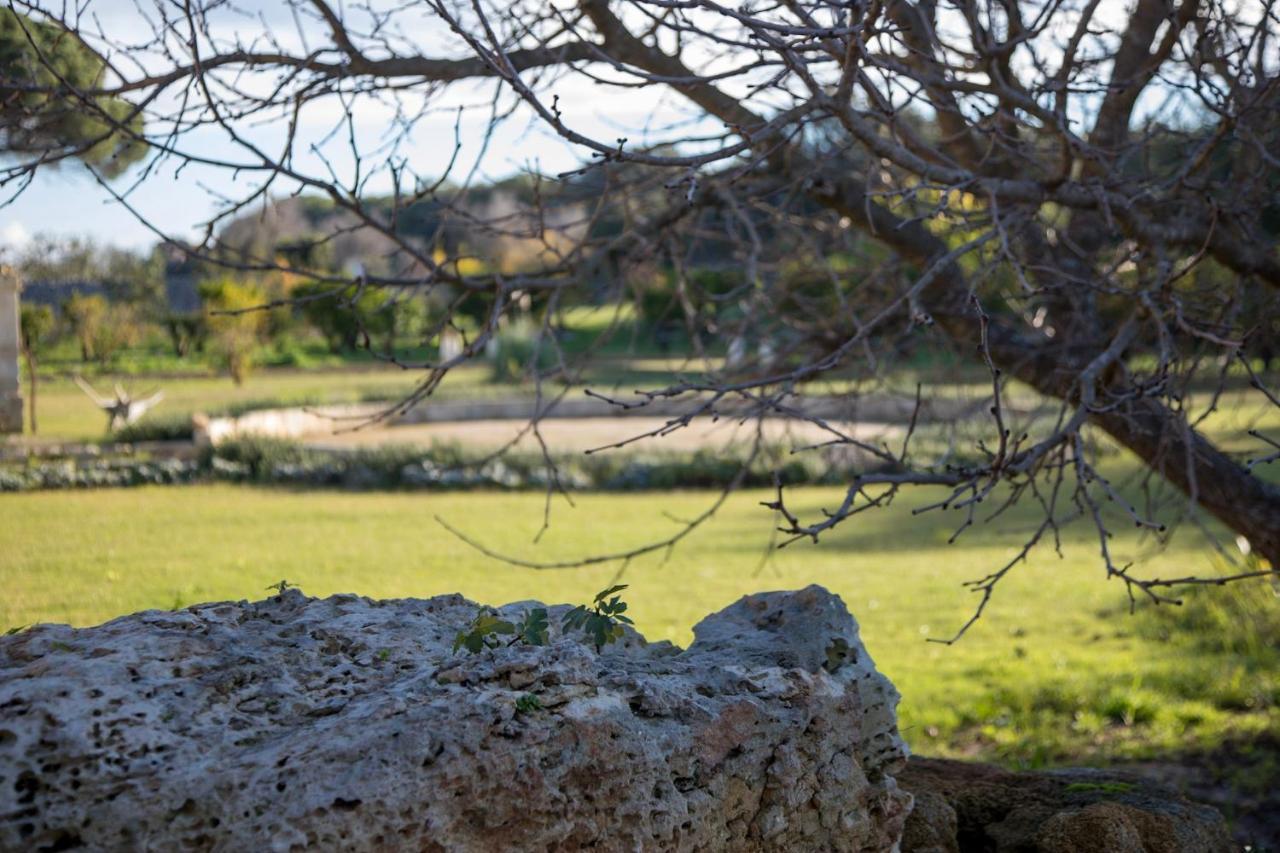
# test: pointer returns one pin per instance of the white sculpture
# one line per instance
(124, 409)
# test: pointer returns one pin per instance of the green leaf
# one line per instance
(528, 703)
(576, 618)
(603, 594)
(534, 629)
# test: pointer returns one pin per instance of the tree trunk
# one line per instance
(1243, 502)
(1156, 435)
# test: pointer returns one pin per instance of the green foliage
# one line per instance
(603, 622)
(1032, 685)
(1239, 618)
(487, 628)
(187, 333)
(528, 703)
(35, 323)
(163, 427)
(120, 329)
(483, 633)
(281, 585)
(236, 322)
(42, 66)
(446, 466)
(257, 455)
(518, 352)
(85, 315)
(102, 328)
(533, 629)
(125, 276)
(343, 315)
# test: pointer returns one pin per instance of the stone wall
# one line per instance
(10, 350)
(345, 723)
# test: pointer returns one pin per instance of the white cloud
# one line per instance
(14, 235)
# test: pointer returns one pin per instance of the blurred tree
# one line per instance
(35, 324)
(85, 314)
(45, 75)
(124, 275)
(187, 332)
(235, 331)
(345, 316)
(120, 328)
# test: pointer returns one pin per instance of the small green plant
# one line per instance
(528, 703)
(487, 629)
(603, 622)
(535, 628)
(384, 654)
(281, 585)
(483, 633)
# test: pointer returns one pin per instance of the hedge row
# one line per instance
(279, 462)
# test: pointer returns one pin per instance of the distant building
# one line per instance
(53, 293)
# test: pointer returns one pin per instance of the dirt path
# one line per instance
(579, 434)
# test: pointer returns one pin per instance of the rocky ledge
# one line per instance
(345, 723)
(961, 807)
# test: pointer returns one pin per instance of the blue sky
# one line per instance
(68, 201)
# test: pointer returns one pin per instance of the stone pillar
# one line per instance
(10, 351)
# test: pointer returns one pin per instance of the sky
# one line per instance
(69, 201)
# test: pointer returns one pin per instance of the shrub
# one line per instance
(156, 428)
(121, 328)
(85, 315)
(515, 348)
(234, 336)
(342, 314)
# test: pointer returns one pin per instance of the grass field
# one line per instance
(65, 412)
(1057, 669)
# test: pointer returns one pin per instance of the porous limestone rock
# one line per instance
(345, 723)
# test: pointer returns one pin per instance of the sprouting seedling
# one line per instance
(281, 585)
(487, 630)
(528, 703)
(603, 622)
(483, 632)
(534, 629)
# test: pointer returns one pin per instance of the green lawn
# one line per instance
(66, 413)
(1055, 670)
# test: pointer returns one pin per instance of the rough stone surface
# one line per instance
(963, 807)
(345, 723)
